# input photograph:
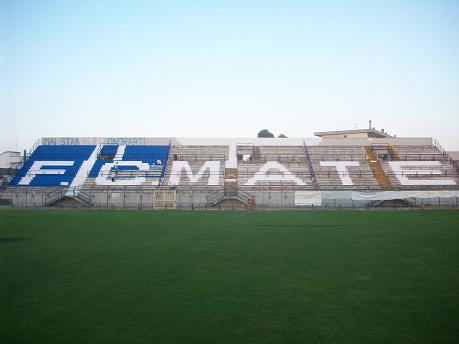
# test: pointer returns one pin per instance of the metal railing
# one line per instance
(36, 144)
(215, 197)
(445, 153)
(84, 198)
(197, 156)
(141, 198)
(311, 169)
(28, 154)
(54, 195)
(244, 196)
(220, 195)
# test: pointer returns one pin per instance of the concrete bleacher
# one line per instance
(199, 152)
(431, 159)
(287, 163)
(202, 181)
(330, 177)
(270, 170)
(337, 153)
(114, 153)
(281, 153)
(118, 158)
(247, 171)
(64, 163)
(51, 165)
(79, 165)
(418, 153)
(107, 154)
(197, 156)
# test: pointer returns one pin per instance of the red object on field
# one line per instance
(250, 203)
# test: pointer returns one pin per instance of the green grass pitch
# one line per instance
(93, 276)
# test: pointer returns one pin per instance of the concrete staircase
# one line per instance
(256, 153)
(394, 203)
(377, 170)
(220, 199)
(60, 198)
(230, 196)
(230, 182)
(393, 152)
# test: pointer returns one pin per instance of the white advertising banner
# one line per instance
(308, 198)
(392, 195)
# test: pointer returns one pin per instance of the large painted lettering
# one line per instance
(39, 168)
(76, 141)
(135, 176)
(282, 174)
(416, 169)
(179, 166)
(61, 141)
(341, 168)
(125, 141)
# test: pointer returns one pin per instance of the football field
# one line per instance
(106, 276)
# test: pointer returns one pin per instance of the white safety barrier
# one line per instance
(395, 195)
(308, 198)
(316, 198)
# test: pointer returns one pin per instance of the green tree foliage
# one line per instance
(265, 133)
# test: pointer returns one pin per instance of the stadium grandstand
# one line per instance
(356, 168)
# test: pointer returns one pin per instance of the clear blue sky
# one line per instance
(227, 68)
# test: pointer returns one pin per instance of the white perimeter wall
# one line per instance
(10, 159)
(454, 155)
(298, 141)
(105, 140)
(220, 141)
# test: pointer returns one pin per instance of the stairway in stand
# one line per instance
(378, 172)
(257, 153)
(393, 152)
(230, 184)
(229, 197)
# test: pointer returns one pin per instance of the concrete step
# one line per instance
(378, 172)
